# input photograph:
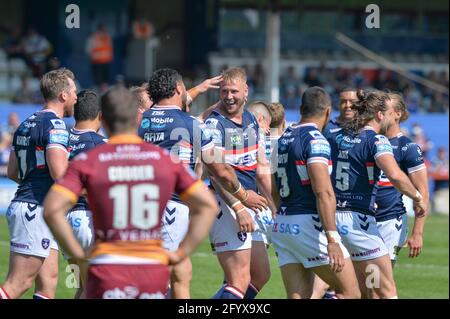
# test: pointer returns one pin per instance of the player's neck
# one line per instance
(169, 102)
(317, 122)
(58, 108)
(86, 125)
(235, 117)
(374, 125)
(393, 131)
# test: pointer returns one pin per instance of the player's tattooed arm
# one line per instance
(13, 167)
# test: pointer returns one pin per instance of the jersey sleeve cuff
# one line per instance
(190, 190)
(57, 146)
(313, 160)
(382, 153)
(66, 192)
(416, 168)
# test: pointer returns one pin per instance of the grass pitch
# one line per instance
(423, 277)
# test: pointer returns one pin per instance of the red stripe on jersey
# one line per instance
(245, 168)
(380, 183)
(300, 162)
(39, 148)
(370, 164)
(242, 150)
(185, 144)
(306, 182)
(40, 166)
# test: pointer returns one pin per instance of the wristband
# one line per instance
(333, 236)
(418, 197)
(236, 203)
(238, 189)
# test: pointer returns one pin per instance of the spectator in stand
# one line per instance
(418, 136)
(312, 78)
(26, 94)
(439, 174)
(36, 49)
(13, 45)
(291, 100)
(101, 52)
(142, 28)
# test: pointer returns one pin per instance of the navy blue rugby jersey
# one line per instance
(299, 146)
(81, 141)
(183, 135)
(240, 143)
(355, 174)
(410, 159)
(41, 131)
(331, 127)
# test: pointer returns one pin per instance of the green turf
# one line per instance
(424, 277)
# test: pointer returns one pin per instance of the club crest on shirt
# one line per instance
(45, 243)
(242, 236)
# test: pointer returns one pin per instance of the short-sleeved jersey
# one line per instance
(355, 173)
(38, 133)
(271, 145)
(128, 183)
(240, 143)
(332, 127)
(82, 141)
(299, 147)
(178, 132)
(410, 159)
(175, 130)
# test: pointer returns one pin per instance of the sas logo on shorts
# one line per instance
(45, 243)
(282, 228)
(242, 236)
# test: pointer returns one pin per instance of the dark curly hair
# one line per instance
(369, 103)
(87, 106)
(162, 84)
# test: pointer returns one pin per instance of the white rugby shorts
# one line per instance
(360, 235)
(83, 228)
(175, 223)
(300, 239)
(28, 231)
(394, 232)
(225, 234)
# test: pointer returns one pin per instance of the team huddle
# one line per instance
(131, 208)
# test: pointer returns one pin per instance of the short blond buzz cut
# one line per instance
(278, 115)
(232, 74)
(138, 90)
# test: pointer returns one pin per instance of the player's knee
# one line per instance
(181, 274)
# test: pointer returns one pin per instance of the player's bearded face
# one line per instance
(233, 95)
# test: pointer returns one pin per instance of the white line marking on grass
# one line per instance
(423, 266)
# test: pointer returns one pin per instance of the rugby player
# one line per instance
(359, 152)
(40, 156)
(391, 217)
(346, 98)
(83, 137)
(304, 232)
(235, 237)
(168, 125)
(128, 184)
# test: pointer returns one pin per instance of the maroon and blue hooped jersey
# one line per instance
(355, 174)
(41, 131)
(81, 141)
(410, 159)
(240, 143)
(298, 147)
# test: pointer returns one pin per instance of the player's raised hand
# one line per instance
(415, 244)
(336, 257)
(212, 83)
(255, 202)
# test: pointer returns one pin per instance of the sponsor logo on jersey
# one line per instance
(29, 124)
(165, 120)
(346, 141)
(58, 124)
(212, 123)
(317, 135)
(154, 137)
(145, 123)
(235, 140)
(367, 252)
(131, 292)
(74, 137)
(158, 113)
(59, 137)
(320, 147)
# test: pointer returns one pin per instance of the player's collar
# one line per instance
(73, 129)
(125, 139)
(306, 124)
(165, 107)
(368, 127)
